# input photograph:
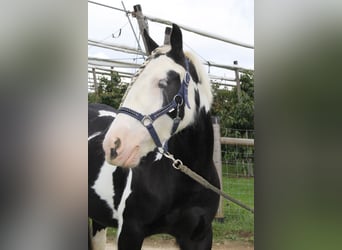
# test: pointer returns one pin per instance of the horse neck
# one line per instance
(194, 144)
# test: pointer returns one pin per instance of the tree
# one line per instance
(110, 91)
(237, 117)
(234, 114)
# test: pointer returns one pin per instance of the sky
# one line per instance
(232, 19)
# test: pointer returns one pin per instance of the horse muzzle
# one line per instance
(119, 154)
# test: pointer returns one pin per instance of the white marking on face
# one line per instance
(94, 135)
(104, 187)
(99, 240)
(106, 113)
(145, 96)
(121, 208)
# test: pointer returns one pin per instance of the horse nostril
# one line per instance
(113, 153)
(117, 143)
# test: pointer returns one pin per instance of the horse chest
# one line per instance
(113, 187)
(151, 189)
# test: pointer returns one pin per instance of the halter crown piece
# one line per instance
(176, 103)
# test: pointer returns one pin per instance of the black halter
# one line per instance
(176, 103)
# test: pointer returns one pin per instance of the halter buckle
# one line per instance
(187, 78)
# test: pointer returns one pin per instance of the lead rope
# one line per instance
(178, 164)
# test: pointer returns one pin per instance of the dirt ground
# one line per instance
(152, 244)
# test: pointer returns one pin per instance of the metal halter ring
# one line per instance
(177, 163)
(178, 100)
(146, 120)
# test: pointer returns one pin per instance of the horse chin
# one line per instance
(138, 154)
(133, 159)
(126, 159)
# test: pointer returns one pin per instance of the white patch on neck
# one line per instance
(99, 240)
(104, 187)
(106, 113)
(121, 208)
(94, 135)
(158, 156)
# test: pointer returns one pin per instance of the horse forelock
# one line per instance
(162, 50)
(155, 54)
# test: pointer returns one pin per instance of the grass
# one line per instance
(238, 223)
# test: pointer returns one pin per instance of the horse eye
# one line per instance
(162, 83)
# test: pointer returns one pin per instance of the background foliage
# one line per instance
(110, 91)
(232, 113)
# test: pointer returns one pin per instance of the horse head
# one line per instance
(164, 98)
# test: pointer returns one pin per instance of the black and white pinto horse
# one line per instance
(132, 185)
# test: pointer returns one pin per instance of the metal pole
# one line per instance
(237, 78)
(218, 161)
(199, 32)
(107, 6)
(142, 22)
(168, 31)
(130, 23)
(237, 141)
(95, 83)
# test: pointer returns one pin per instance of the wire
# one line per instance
(195, 52)
(119, 30)
(111, 35)
(205, 60)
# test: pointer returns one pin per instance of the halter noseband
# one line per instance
(176, 103)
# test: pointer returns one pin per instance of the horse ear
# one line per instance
(176, 43)
(151, 45)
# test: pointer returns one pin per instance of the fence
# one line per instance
(237, 163)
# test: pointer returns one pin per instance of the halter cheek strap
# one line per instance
(185, 84)
(176, 103)
(147, 120)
